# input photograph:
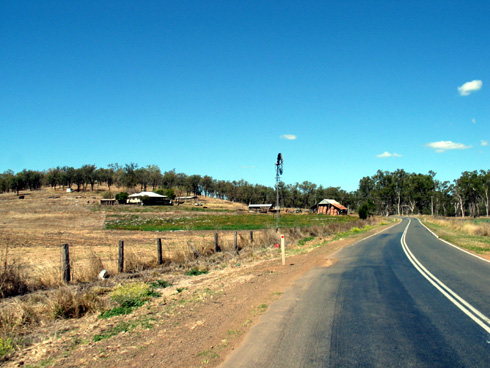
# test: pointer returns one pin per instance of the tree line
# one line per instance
(385, 193)
(399, 192)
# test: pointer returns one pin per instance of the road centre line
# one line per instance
(462, 304)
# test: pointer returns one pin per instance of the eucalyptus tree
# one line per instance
(52, 177)
(6, 180)
(384, 191)
(442, 197)
(142, 178)
(78, 178)
(129, 177)
(307, 192)
(106, 176)
(18, 183)
(169, 179)
(466, 190)
(207, 184)
(294, 196)
(193, 184)
(400, 178)
(117, 174)
(90, 176)
(485, 188)
(420, 188)
(67, 176)
(155, 176)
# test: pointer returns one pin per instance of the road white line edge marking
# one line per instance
(478, 317)
(452, 245)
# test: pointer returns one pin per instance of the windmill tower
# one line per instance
(279, 170)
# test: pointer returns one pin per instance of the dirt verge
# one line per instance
(194, 323)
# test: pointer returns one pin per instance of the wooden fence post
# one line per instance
(251, 237)
(235, 242)
(159, 252)
(217, 248)
(66, 264)
(120, 263)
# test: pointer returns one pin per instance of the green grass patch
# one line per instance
(6, 346)
(303, 241)
(124, 327)
(219, 222)
(482, 221)
(207, 356)
(260, 309)
(196, 271)
(117, 329)
(353, 231)
(152, 209)
(160, 284)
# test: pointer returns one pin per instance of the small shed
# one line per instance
(330, 207)
(153, 199)
(260, 207)
(108, 202)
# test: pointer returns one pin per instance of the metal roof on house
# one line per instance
(333, 202)
(147, 194)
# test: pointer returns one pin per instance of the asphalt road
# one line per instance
(398, 299)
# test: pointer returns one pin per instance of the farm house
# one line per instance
(330, 207)
(153, 199)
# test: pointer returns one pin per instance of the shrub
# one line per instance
(166, 192)
(170, 193)
(12, 282)
(129, 297)
(364, 211)
(67, 303)
(145, 200)
(122, 197)
(133, 294)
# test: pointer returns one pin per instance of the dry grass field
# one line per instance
(469, 233)
(33, 229)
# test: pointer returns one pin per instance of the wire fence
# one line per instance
(64, 263)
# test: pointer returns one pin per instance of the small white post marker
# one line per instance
(283, 250)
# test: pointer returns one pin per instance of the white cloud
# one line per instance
(469, 87)
(443, 146)
(473, 121)
(289, 137)
(387, 154)
(484, 143)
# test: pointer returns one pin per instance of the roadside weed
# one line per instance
(129, 297)
(196, 271)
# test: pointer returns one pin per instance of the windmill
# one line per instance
(279, 170)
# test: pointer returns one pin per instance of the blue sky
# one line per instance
(219, 88)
